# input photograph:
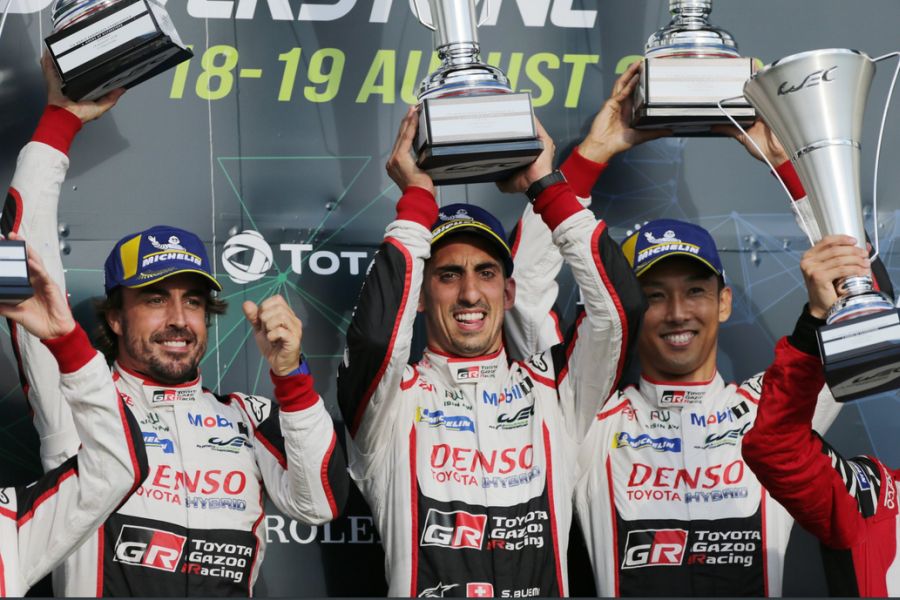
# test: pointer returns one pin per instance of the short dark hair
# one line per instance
(106, 340)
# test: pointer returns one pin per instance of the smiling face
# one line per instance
(679, 334)
(464, 297)
(161, 328)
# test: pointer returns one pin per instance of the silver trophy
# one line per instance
(814, 104)
(689, 66)
(101, 45)
(472, 127)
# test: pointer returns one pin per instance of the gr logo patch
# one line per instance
(654, 548)
(152, 548)
(458, 530)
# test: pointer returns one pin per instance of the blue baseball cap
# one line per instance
(663, 238)
(152, 255)
(467, 218)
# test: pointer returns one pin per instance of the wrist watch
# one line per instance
(536, 188)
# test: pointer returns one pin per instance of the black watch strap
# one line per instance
(536, 188)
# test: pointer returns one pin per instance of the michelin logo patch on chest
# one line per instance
(639, 442)
(437, 418)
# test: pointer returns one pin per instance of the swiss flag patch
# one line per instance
(479, 590)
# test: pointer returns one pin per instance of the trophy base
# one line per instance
(861, 356)
(477, 163)
(682, 94)
(690, 122)
(14, 294)
(477, 138)
(14, 284)
(851, 307)
(123, 46)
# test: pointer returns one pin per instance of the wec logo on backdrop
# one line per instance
(248, 257)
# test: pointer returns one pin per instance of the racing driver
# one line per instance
(466, 459)
(194, 527)
(667, 504)
(42, 523)
(850, 505)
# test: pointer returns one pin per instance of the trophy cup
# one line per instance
(14, 284)
(472, 127)
(689, 66)
(101, 45)
(814, 104)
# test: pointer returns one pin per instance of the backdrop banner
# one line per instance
(271, 141)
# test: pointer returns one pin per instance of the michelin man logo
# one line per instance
(247, 257)
(667, 238)
(173, 244)
(461, 215)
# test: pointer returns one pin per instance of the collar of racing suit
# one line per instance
(455, 370)
(675, 395)
(154, 393)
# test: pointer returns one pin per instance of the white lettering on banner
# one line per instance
(534, 13)
(315, 259)
(345, 530)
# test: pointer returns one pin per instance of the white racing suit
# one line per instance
(44, 522)
(195, 526)
(469, 464)
(666, 502)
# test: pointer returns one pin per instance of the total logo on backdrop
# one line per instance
(248, 257)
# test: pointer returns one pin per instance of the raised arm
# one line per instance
(824, 492)
(589, 367)
(68, 504)
(31, 209)
(532, 324)
(302, 463)
(380, 332)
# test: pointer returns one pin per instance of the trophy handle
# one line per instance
(3, 20)
(419, 16)
(485, 13)
(806, 225)
(884, 115)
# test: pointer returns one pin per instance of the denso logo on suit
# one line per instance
(509, 467)
(667, 483)
(458, 530)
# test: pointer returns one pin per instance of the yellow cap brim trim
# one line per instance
(644, 268)
(473, 225)
(216, 284)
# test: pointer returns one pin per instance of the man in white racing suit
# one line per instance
(195, 527)
(468, 460)
(666, 502)
(42, 523)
